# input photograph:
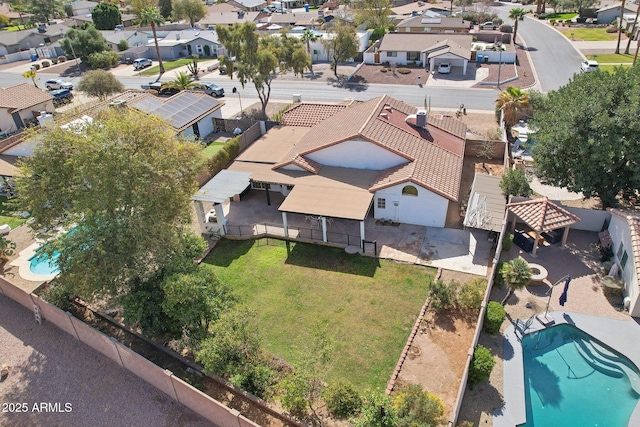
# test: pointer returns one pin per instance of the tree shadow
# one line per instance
(331, 259)
(544, 382)
(227, 251)
(482, 399)
(356, 84)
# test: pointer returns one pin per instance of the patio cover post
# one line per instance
(266, 189)
(284, 223)
(324, 229)
(361, 232)
(220, 215)
(464, 67)
(565, 234)
(535, 244)
(513, 223)
(200, 214)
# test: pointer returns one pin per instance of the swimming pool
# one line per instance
(572, 379)
(43, 264)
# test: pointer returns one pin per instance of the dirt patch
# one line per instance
(375, 74)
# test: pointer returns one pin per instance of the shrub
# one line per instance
(612, 29)
(105, 59)
(383, 70)
(123, 45)
(46, 64)
(54, 61)
(494, 316)
(498, 279)
(515, 183)
(342, 399)
(416, 407)
(441, 294)
(552, 21)
(506, 28)
(481, 366)
(62, 58)
(507, 242)
(36, 66)
(256, 379)
(59, 296)
(403, 70)
(471, 293)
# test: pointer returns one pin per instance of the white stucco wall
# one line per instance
(357, 154)
(427, 208)
(619, 230)
(400, 59)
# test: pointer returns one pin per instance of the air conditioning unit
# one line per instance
(118, 103)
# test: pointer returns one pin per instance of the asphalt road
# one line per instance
(553, 56)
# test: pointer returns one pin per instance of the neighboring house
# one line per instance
(133, 38)
(608, 14)
(624, 230)
(228, 18)
(422, 49)
(420, 7)
(127, 19)
(318, 51)
(298, 19)
(248, 5)
(16, 41)
(222, 7)
(431, 24)
(7, 10)
(380, 158)
(22, 104)
(182, 44)
(81, 7)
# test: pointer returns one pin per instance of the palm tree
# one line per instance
(183, 81)
(620, 27)
(516, 14)
(150, 15)
(633, 30)
(31, 74)
(516, 274)
(309, 36)
(513, 102)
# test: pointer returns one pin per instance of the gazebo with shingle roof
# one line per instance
(542, 215)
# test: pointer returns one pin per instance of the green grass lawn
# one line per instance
(369, 305)
(610, 68)
(6, 214)
(611, 58)
(588, 34)
(168, 66)
(561, 16)
(212, 149)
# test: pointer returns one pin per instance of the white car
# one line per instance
(444, 68)
(57, 84)
(589, 65)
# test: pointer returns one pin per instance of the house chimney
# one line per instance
(421, 118)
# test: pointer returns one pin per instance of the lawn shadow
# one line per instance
(331, 259)
(226, 251)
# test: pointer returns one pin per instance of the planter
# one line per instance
(538, 274)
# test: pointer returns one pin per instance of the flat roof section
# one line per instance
(223, 186)
(274, 145)
(487, 204)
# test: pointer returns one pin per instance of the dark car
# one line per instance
(61, 96)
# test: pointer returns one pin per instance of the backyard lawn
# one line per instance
(6, 214)
(212, 149)
(168, 66)
(588, 34)
(369, 305)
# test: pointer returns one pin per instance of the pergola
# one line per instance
(542, 215)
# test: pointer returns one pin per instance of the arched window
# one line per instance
(410, 190)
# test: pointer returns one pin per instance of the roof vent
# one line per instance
(388, 108)
(421, 118)
(384, 116)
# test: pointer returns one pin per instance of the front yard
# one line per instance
(588, 34)
(369, 305)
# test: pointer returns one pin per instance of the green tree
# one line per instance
(417, 407)
(106, 16)
(123, 45)
(513, 103)
(195, 300)
(633, 31)
(195, 10)
(341, 45)
(44, 10)
(515, 183)
(84, 41)
(31, 74)
(125, 183)
(377, 411)
(183, 81)
(309, 36)
(581, 5)
(342, 399)
(620, 27)
(104, 59)
(165, 7)
(517, 275)
(150, 15)
(587, 135)
(257, 57)
(21, 7)
(517, 14)
(481, 365)
(292, 54)
(101, 84)
(6, 248)
(375, 13)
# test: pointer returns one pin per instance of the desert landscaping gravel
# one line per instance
(56, 380)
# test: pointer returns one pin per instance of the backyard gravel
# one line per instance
(77, 385)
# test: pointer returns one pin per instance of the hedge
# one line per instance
(494, 317)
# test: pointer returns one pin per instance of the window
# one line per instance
(258, 185)
(622, 256)
(392, 54)
(289, 187)
(413, 56)
(382, 203)
(410, 190)
(316, 52)
(620, 250)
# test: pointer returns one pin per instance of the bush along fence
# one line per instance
(164, 380)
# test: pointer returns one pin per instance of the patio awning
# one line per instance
(542, 215)
(330, 201)
(223, 186)
(486, 207)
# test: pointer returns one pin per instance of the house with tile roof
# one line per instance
(624, 229)
(182, 44)
(21, 104)
(381, 158)
(425, 50)
(16, 41)
(433, 25)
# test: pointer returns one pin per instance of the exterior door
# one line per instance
(17, 120)
(376, 58)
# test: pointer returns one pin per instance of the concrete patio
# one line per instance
(458, 250)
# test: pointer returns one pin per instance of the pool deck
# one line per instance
(23, 262)
(624, 340)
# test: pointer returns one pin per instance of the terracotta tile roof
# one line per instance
(542, 214)
(434, 153)
(633, 219)
(310, 114)
(452, 48)
(22, 96)
(404, 42)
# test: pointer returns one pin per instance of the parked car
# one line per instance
(444, 68)
(58, 84)
(61, 96)
(211, 89)
(489, 25)
(141, 63)
(589, 65)
(161, 88)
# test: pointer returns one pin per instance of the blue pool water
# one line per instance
(571, 379)
(43, 264)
